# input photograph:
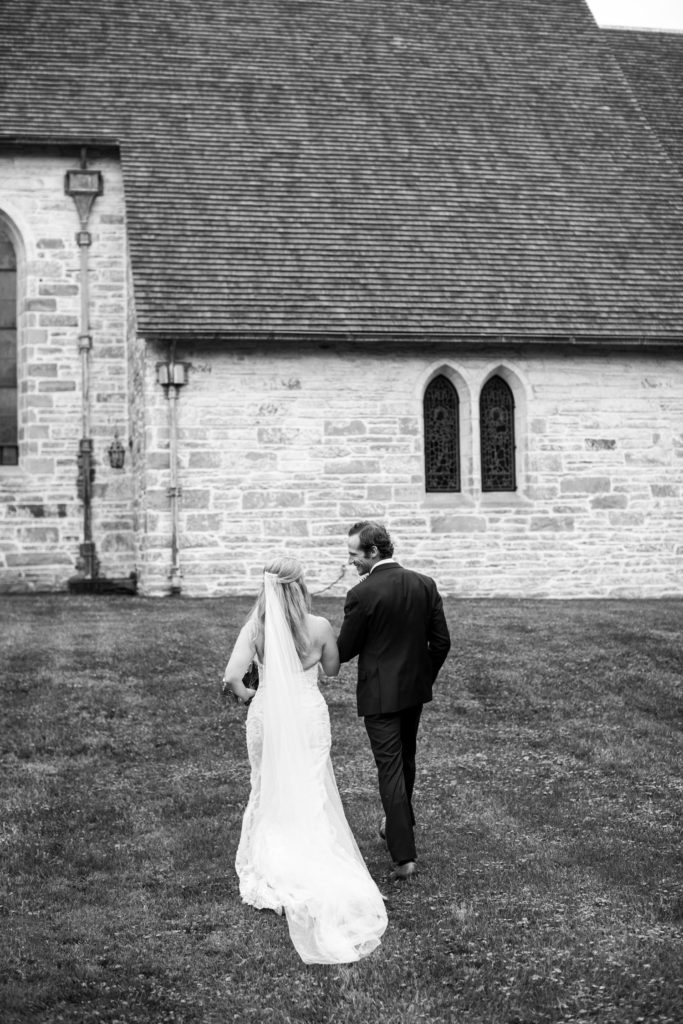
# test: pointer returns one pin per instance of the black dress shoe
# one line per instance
(404, 872)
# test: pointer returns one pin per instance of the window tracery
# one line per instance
(497, 426)
(9, 451)
(441, 435)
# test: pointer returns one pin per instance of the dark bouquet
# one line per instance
(250, 677)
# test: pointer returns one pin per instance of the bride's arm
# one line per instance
(329, 658)
(241, 658)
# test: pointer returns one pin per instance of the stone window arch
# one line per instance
(9, 431)
(441, 411)
(497, 436)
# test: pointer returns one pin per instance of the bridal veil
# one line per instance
(300, 845)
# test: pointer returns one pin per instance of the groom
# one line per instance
(394, 621)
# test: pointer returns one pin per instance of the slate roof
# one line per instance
(372, 167)
(653, 64)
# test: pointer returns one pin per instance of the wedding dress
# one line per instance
(296, 852)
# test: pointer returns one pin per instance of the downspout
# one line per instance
(172, 376)
(176, 573)
(89, 560)
(84, 187)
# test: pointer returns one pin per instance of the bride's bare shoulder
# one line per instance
(318, 625)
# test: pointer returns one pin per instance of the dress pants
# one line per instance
(393, 739)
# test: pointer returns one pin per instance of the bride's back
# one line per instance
(318, 634)
(322, 646)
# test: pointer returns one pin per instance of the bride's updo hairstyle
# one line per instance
(294, 598)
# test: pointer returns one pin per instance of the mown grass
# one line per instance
(549, 801)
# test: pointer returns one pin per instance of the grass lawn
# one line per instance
(549, 802)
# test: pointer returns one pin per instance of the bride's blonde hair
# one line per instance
(295, 601)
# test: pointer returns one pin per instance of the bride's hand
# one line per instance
(244, 696)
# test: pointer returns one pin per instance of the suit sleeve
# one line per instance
(438, 637)
(353, 630)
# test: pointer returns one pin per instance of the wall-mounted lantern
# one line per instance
(117, 453)
(172, 374)
(84, 187)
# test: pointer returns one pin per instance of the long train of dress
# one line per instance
(306, 862)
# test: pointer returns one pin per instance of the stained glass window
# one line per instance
(441, 430)
(9, 450)
(497, 424)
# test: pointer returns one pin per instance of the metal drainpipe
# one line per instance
(84, 187)
(174, 490)
(85, 448)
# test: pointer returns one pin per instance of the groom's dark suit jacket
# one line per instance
(394, 621)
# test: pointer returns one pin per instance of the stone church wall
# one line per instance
(40, 512)
(281, 449)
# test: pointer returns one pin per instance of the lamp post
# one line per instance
(172, 376)
(84, 186)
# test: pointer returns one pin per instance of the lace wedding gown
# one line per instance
(296, 852)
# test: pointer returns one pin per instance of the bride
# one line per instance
(296, 852)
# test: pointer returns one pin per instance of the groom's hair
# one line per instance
(373, 535)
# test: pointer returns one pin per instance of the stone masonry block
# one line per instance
(43, 269)
(58, 289)
(379, 492)
(287, 528)
(595, 444)
(205, 460)
(626, 518)
(118, 543)
(157, 498)
(345, 427)
(408, 493)
(58, 320)
(585, 484)
(610, 501)
(276, 435)
(361, 509)
(408, 425)
(262, 458)
(458, 524)
(39, 466)
(35, 336)
(57, 385)
(359, 467)
(664, 491)
(546, 463)
(42, 369)
(210, 522)
(272, 499)
(547, 493)
(553, 524)
(195, 498)
(39, 535)
(40, 402)
(39, 558)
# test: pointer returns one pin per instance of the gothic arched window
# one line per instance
(497, 424)
(442, 441)
(9, 451)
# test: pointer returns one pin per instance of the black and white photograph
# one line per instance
(341, 512)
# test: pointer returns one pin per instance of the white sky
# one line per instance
(662, 14)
